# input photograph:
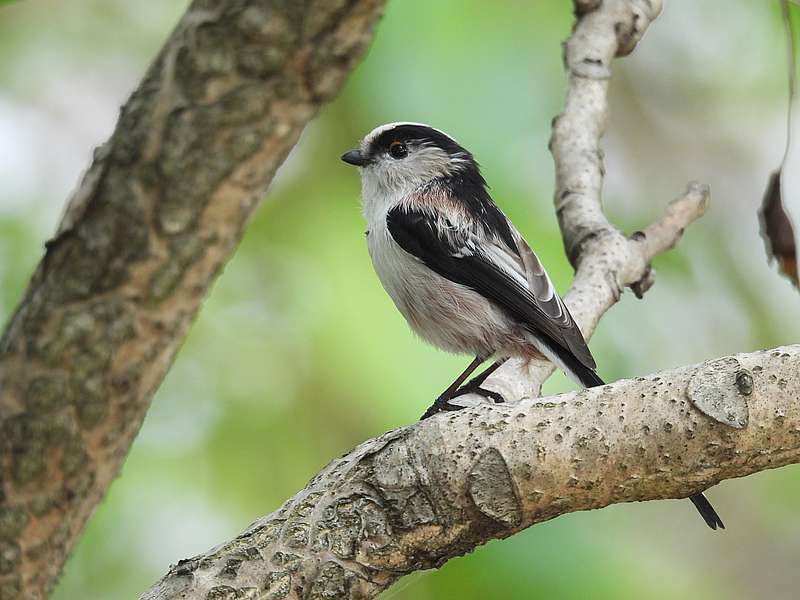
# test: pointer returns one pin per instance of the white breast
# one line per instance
(445, 314)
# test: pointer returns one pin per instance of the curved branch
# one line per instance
(606, 261)
(415, 497)
(147, 231)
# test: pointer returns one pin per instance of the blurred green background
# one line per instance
(298, 354)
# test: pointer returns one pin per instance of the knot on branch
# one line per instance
(719, 388)
(492, 489)
(584, 6)
(643, 285)
(579, 241)
(638, 16)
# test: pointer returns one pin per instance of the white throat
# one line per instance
(378, 198)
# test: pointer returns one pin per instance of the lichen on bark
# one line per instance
(154, 219)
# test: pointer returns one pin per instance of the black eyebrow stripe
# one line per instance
(419, 134)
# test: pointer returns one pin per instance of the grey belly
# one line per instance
(448, 315)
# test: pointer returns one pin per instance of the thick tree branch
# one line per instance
(147, 231)
(418, 496)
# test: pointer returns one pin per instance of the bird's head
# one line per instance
(399, 158)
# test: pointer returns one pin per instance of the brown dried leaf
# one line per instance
(776, 224)
(777, 230)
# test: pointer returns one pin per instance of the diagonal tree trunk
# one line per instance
(149, 228)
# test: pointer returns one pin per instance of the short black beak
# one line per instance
(354, 157)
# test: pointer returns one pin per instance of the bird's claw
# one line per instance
(482, 391)
(443, 404)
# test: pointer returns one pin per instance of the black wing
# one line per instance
(511, 277)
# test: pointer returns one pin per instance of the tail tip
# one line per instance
(707, 511)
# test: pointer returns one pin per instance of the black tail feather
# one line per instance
(587, 376)
(707, 511)
(574, 368)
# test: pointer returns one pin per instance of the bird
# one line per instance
(457, 268)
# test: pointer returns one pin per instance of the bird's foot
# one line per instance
(442, 403)
(482, 391)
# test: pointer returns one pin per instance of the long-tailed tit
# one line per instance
(457, 268)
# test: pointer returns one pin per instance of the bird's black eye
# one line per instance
(398, 150)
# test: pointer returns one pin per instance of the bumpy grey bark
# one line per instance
(418, 496)
(156, 216)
